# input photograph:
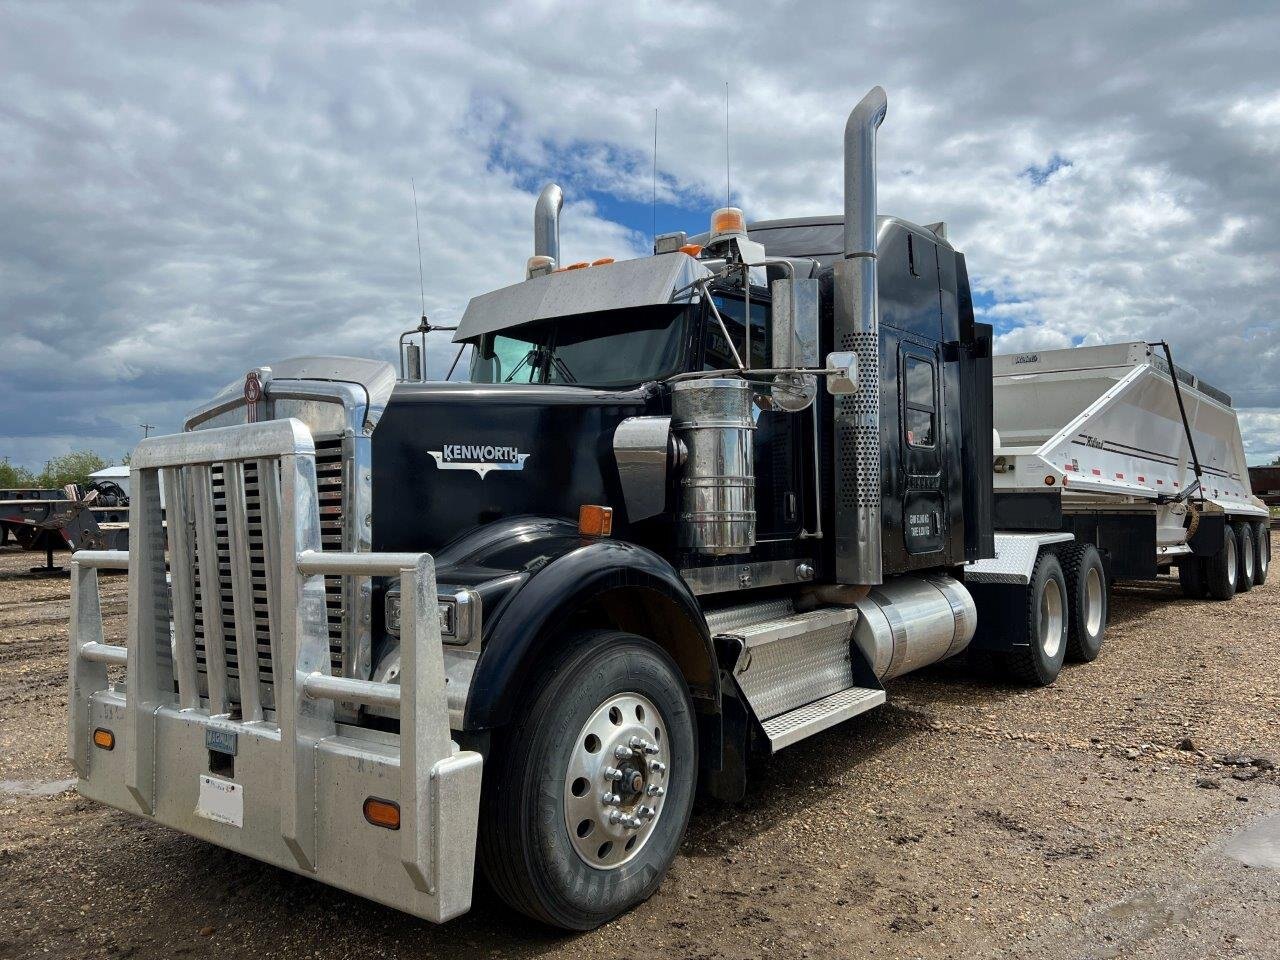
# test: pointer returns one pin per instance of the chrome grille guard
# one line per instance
(438, 784)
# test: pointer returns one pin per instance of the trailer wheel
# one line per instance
(1039, 663)
(588, 793)
(1191, 576)
(1245, 557)
(1261, 552)
(1086, 600)
(1222, 569)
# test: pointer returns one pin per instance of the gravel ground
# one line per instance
(1101, 817)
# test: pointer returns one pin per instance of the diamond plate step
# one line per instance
(787, 728)
(795, 625)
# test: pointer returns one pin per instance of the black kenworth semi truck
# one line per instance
(686, 510)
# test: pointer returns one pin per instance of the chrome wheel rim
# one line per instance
(1264, 554)
(615, 785)
(1248, 562)
(1051, 619)
(1093, 602)
(1232, 569)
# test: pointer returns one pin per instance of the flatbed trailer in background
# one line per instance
(69, 519)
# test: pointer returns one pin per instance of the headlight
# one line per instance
(455, 628)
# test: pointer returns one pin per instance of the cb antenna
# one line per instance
(422, 289)
(655, 174)
(727, 202)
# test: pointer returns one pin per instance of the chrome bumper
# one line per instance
(286, 786)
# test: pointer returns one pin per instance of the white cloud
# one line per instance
(189, 190)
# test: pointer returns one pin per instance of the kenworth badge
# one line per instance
(478, 457)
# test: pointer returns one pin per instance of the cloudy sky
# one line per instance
(187, 190)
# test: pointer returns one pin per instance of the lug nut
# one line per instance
(611, 773)
(647, 813)
(617, 816)
(621, 753)
(609, 799)
(654, 790)
(657, 766)
(634, 823)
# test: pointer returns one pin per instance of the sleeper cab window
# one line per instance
(921, 412)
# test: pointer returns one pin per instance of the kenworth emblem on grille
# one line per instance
(478, 457)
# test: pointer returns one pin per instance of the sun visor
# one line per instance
(624, 284)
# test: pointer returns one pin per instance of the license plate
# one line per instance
(220, 741)
(220, 800)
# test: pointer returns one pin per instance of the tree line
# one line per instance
(73, 467)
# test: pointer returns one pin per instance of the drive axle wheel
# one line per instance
(588, 792)
(1086, 600)
(1039, 663)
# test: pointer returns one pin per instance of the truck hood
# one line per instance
(450, 457)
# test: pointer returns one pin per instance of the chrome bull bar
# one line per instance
(438, 784)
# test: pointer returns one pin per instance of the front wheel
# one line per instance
(588, 793)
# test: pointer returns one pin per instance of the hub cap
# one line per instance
(615, 786)
(1093, 602)
(1051, 619)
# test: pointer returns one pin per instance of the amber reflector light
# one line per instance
(382, 813)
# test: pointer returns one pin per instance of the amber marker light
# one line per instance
(1048, 480)
(602, 261)
(104, 739)
(382, 813)
(692, 249)
(595, 521)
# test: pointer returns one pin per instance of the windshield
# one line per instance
(611, 349)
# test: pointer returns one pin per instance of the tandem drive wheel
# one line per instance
(1039, 662)
(588, 792)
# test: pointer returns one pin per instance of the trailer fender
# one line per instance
(596, 582)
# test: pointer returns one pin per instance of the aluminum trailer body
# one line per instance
(1098, 458)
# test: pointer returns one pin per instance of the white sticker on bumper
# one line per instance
(221, 800)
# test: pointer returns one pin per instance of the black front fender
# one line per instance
(526, 628)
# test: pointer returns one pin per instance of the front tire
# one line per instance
(1245, 556)
(1039, 663)
(588, 792)
(1086, 601)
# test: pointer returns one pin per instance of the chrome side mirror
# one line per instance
(795, 342)
(842, 373)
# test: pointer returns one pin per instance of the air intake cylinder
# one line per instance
(712, 418)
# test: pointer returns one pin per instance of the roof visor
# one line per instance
(646, 282)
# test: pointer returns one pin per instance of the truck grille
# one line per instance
(333, 509)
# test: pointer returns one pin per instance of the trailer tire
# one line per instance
(547, 767)
(1040, 661)
(1245, 556)
(1261, 552)
(1086, 581)
(1222, 569)
(1191, 576)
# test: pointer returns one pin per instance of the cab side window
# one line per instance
(921, 410)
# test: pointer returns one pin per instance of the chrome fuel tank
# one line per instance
(911, 622)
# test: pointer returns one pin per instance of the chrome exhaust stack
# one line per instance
(546, 223)
(857, 329)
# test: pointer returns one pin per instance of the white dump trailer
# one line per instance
(1105, 461)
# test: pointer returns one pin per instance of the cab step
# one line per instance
(787, 728)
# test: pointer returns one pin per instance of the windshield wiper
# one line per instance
(533, 355)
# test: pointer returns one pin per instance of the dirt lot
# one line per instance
(1097, 818)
